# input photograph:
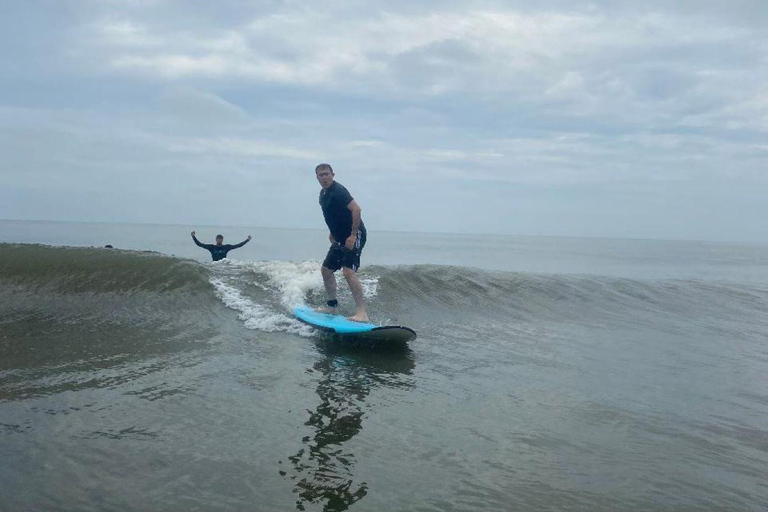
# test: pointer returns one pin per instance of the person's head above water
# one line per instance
(324, 174)
(219, 239)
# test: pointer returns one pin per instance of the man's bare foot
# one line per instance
(359, 317)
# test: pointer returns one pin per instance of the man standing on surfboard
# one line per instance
(347, 237)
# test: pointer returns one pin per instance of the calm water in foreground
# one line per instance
(549, 374)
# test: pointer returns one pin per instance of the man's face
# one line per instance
(325, 177)
(219, 240)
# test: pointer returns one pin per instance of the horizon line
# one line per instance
(456, 233)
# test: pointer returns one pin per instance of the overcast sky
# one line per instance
(606, 118)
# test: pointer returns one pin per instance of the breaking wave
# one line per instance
(98, 285)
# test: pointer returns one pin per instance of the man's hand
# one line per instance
(193, 233)
(330, 239)
(249, 237)
(350, 243)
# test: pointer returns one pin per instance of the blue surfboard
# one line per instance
(366, 331)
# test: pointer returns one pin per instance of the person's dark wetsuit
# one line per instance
(218, 252)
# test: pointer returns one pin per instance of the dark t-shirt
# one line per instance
(218, 252)
(334, 202)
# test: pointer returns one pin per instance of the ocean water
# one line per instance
(549, 374)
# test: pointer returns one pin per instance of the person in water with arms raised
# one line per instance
(347, 237)
(219, 250)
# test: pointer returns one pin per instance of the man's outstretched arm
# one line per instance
(197, 242)
(237, 246)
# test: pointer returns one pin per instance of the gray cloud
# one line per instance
(486, 116)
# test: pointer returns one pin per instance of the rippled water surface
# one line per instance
(549, 374)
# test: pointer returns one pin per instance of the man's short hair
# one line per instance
(324, 167)
(219, 236)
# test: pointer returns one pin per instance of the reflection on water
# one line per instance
(323, 469)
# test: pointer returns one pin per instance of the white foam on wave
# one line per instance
(290, 282)
(256, 316)
(293, 280)
(370, 286)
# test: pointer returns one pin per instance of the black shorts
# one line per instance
(339, 256)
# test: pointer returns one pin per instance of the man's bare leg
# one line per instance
(329, 281)
(357, 292)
